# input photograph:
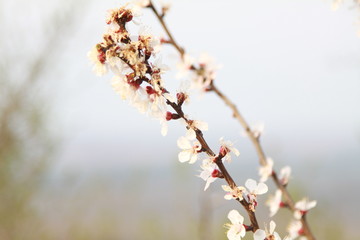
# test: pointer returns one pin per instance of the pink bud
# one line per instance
(150, 90)
(223, 151)
(181, 97)
(168, 116)
(215, 173)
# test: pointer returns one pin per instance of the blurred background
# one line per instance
(78, 163)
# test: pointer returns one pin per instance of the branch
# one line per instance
(259, 149)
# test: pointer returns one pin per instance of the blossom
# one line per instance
(209, 172)
(189, 152)
(267, 234)
(205, 73)
(236, 228)
(225, 149)
(254, 190)
(284, 175)
(233, 193)
(266, 171)
(295, 229)
(184, 66)
(274, 202)
(302, 207)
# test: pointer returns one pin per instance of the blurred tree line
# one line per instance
(25, 140)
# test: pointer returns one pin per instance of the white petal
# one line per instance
(193, 158)
(190, 134)
(183, 143)
(276, 235)
(235, 217)
(228, 196)
(208, 181)
(184, 156)
(232, 234)
(272, 227)
(261, 188)
(259, 234)
(226, 188)
(251, 184)
(310, 205)
(297, 215)
(235, 151)
(203, 126)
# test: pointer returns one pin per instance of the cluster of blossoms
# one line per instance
(138, 79)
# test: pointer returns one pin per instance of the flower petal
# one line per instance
(183, 143)
(259, 234)
(235, 217)
(251, 184)
(184, 156)
(272, 227)
(261, 188)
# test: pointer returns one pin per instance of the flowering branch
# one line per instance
(217, 159)
(255, 139)
(138, 78)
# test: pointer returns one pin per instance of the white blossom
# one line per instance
(274, 202)
(226, 147)
(284, 175)
(254, 190)
(302, 207)
(233, 193)
(266, 171)
(268, 233)
(236, 228)
(205, 73)
(184, 66)
(295, 229)
(208, 168)
(189, 151)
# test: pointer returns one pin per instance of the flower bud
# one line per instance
(150, 90)
(217, 174)
(223, 151)
(181, 97)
